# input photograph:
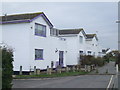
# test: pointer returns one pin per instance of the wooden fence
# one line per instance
(59, 69)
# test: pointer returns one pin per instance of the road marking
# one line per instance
(109, 82)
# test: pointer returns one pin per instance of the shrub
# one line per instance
(7, 67)
(112, 56)
(100, 61)
(86, 59)
(91, 60)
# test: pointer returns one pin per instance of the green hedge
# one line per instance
(90, 60)
(7, 67)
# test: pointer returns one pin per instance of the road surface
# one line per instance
(82, 81)
(110, 67)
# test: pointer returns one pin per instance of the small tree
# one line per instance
(7, 67)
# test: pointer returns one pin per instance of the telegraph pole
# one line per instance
(117, 66)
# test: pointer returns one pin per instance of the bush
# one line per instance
(100, 61)
(112, 56)
(7, 67)
(86, 60)
(91, 60)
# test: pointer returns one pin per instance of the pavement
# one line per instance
(82, 81)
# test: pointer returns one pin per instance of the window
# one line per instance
(54, 32)
(89, 52)
(81, 52)
(38, 54)
(40, 30)
(81, 39)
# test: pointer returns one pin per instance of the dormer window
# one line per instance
(54, 32)
(40, 30)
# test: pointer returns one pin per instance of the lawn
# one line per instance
(63, 74)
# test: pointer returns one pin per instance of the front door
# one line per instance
(61, 58)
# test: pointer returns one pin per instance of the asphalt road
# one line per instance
(82, 81)
(110, 67)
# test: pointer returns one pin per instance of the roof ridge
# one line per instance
(24, 17)
(72, 29)
(22, 14)
(91, 34)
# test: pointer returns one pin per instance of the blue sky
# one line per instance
(94, 17)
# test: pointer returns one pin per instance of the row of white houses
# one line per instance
(36, 42)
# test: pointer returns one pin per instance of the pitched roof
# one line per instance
(69, 31)
(26, 17)
(91, 36)
(20, 16)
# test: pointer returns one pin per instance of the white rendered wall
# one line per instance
(81, 46)
(72, 52)
(48, 44)
(21, 38)
(93, 46)
(16, 36)
(73, 48)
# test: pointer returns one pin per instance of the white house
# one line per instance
(92, 45)
(79, 43)
(29, 36)
(37, 43)
(75, 39)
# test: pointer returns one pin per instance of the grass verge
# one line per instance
(63, 74)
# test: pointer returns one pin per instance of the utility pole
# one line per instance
(117, 65)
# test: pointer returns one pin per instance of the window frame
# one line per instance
(37, 34)
(42, 55)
